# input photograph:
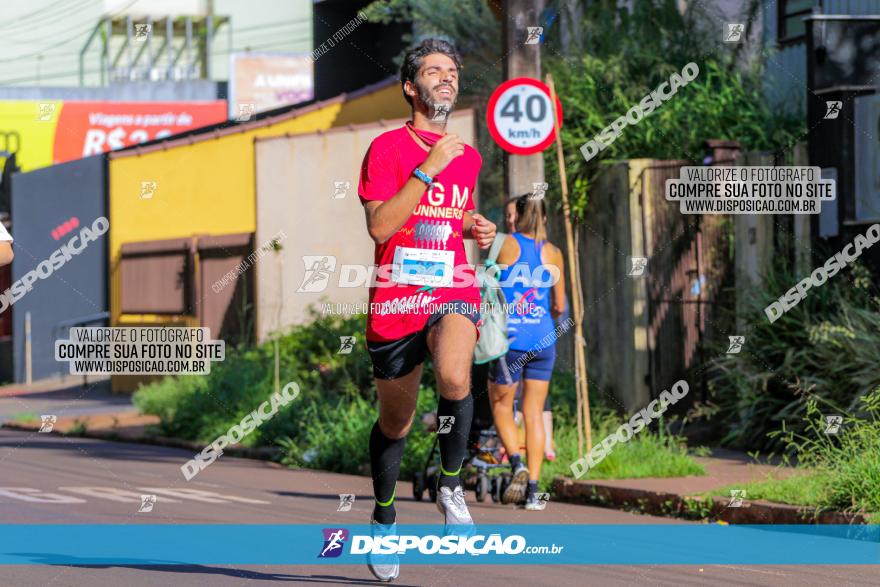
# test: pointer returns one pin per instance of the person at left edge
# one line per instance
(6, 254)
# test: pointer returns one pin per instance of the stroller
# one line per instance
(484, 451)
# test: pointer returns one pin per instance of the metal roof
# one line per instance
(263, 119)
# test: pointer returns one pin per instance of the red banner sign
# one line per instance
(90, 128)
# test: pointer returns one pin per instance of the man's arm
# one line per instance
(384, 218)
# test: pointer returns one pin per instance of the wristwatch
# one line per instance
(423, 176)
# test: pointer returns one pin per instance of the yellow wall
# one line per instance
(37, 136)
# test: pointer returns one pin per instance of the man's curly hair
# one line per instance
(412, 61)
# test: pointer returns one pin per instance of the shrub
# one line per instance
(849, 460)
(202, 408)
(825, 348)
(337, 436)
(839, 471)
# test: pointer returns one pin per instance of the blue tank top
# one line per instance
(526, 285)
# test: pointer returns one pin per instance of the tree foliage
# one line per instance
(627, 54)
(605, 63)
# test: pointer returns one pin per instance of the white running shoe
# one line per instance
(385, 567)
(451, 504)
(516, 491)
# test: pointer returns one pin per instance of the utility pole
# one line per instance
(521, 60)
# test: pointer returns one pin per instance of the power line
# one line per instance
(272, 45)
(260, 27)
(58, 17)
(64, 41)
(90, 24)
(241, 41)
(47, 53)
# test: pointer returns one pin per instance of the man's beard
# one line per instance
(426, 99)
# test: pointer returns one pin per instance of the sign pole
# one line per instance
(521, 60)
(576, 293)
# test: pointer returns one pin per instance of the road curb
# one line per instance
(659, 503)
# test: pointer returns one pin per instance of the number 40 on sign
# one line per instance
(520, 118)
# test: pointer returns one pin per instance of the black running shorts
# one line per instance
(396, 358)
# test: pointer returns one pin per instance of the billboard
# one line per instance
(58, 131)
(91, 128)
(262, 81)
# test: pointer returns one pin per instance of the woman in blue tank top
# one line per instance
(534, 289)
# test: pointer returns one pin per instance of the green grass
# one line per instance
(202, 408)
(815, 490)
(24, 417)
(338, 434)
(648, 454)
(78, 428)
(804, 489)
(838, 472)
(337, 437)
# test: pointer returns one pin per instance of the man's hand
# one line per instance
(442, 153)
(483, 231)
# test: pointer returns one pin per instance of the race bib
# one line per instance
(423, 267)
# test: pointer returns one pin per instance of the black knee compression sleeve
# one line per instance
(453, 443)
(386, 455)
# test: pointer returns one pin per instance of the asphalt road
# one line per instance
(51, 479)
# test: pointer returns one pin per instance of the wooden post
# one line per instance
(576, 292)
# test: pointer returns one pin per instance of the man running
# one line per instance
(417, 185)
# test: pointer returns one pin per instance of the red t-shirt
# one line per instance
(432, 237)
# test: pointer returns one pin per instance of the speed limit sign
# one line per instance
(519, 116)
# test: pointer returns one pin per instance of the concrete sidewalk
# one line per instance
(62, 397)
(723, 468)
(53, 384)
(686, 496)
(123, 423)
